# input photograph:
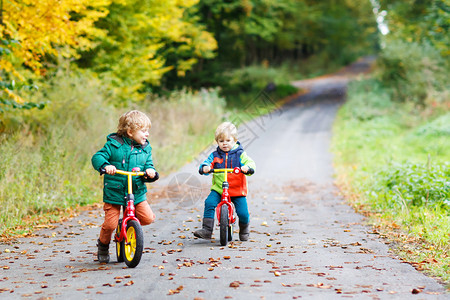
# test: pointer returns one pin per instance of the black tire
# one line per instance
(119, 245)
(230, 233)
(132, 252)
(224, 225)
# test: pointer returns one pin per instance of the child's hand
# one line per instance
(150, 173)
(111, 170)
(244, 169)
(206, 169)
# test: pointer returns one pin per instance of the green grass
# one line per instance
(392, 160)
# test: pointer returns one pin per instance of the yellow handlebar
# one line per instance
(223, 170)
(129, 178)
(130, 173)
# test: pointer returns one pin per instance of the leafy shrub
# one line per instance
(410, 184)
(438, 127)
(283, 90)
(242, 86)
(412, 70)
(368, 99)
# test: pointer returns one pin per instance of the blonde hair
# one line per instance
(133, 120)
(224, 130)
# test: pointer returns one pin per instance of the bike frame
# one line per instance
(129, 209)
(225, 199)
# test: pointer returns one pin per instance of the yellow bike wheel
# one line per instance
(132, 250)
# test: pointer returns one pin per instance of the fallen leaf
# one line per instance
(109, 284)
(177, 291)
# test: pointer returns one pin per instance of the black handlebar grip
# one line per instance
(251, 171)
(200, 171)
(148, 179)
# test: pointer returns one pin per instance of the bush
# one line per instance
(369, 100)
(243, 86)
(411, 184)
(438, 127)
(413, 70)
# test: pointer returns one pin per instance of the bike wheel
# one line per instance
(133, 249)
(224, 225)
(119, 245)
(230, 233)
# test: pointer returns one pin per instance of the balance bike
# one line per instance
(225, 211)
(129, 237)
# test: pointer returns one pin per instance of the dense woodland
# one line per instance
(137, 47)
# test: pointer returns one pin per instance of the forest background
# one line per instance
(68, 69)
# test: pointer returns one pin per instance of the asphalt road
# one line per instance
(305, 241)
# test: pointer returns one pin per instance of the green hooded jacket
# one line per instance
(125, 154)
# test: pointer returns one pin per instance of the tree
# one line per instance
(275, 31)
(414, 62)
(146, 39)
(31, 32)
(420, 21)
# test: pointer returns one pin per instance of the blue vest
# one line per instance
(234, 158)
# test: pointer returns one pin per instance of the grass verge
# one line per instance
(392, 163)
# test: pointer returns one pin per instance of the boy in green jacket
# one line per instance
(126, 150)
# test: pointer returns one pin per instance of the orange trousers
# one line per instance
(143, 213)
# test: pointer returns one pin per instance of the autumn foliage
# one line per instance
(32, 30)
(126, 41)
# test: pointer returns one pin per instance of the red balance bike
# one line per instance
(129, 237)
(225, 209)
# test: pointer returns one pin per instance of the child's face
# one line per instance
(226, 143)
(139, 136)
